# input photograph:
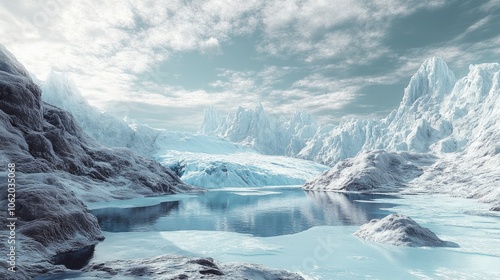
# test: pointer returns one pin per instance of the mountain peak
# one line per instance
(434, 77)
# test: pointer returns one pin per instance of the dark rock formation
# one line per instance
(56, 167)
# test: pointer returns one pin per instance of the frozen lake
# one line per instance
(305, 232)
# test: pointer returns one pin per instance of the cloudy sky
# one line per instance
(163, 62)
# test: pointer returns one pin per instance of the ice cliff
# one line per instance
(265, 133)
(437, 114)
(400, 230)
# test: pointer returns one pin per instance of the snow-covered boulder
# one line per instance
(400, 230)
(374, 171)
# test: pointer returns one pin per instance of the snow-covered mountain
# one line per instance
(372, 171)
(456, 121)
(437, 114)
(258, 129)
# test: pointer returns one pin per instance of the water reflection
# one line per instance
(132, 219)
(279, 212)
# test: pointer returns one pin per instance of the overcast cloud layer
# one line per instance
(163, 62)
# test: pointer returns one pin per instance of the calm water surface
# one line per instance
(260, 212)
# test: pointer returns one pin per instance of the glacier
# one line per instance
(201, 160)
(454, 121)
(238, 169)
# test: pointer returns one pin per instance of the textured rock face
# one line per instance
(400, 230)
(373, 171)
(57, 166)
(177, 267)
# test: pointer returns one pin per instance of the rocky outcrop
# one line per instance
(177, 267)
(55, 167)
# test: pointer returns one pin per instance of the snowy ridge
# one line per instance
(58, 167)
(257, 129)
(59, 90)
(437, 114)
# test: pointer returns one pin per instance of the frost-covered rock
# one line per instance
(400, 230)
(57, 166)
(178, 267)
(373, 171)
(257, 129)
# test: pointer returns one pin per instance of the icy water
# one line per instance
(260, 212)
(310, 233)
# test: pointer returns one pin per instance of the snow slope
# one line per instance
(374, 171)
(59, 90)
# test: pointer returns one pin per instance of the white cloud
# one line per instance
(211, 46)
(108, 47)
